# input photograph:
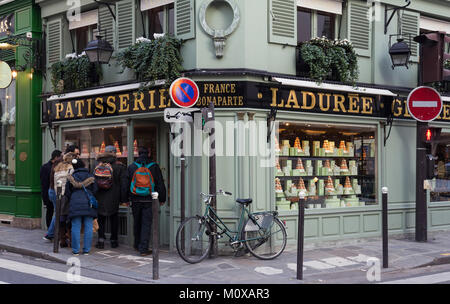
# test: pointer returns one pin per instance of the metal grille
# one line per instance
(123, 230)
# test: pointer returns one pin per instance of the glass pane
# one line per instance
(171, 20)
(82, 38)
(93, 140)
(303, 26)
(325, 26)
(145, 135)
(8, 135)
(156, 21)
(440, 183)
(333, 165)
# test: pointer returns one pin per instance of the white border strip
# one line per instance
(332, 87)
(329, 6)
(149, 4)
(86, 19)
(101, 91)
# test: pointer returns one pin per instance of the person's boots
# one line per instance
(63, 238)
(100, 244)
(114, 244)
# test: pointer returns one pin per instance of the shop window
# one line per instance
(334, 166)
(311, 23)
(8, 135)
(145, 135)
(161, 20)
(441, 181)
(93, 140)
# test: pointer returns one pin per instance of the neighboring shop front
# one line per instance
(20, 148)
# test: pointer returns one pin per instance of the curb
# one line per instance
(436, 262)
(32, 253)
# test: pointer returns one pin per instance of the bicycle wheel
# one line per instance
(266, 244)
(197, 239)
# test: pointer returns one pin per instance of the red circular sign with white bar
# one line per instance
(424, 104)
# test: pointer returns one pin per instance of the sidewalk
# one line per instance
(346, 261)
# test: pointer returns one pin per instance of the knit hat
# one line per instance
(110, 149)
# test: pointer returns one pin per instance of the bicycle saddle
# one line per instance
(244, 201)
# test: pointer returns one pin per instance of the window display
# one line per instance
(441, 181)
(8, 135)
(93, 140)
(332, 165)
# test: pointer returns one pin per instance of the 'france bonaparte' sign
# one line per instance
(224, 94)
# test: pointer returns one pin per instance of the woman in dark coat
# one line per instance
(110, 199)
(80, 210)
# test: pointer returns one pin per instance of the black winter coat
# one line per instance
(45, 181)
(158, 180)
(109, 200)
(78, 200)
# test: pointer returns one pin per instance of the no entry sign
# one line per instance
(424, 104)
(184, 92)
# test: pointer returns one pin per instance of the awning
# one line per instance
(329, 6)
(100, 91)
(86, 19)
(431, 24)
(149, 4)
(332, 87)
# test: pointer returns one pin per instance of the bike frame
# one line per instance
(234, 236)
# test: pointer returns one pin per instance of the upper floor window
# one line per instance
(161, 20)
(312, 23)
(83, 30)
(82, 36)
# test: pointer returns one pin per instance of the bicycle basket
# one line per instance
(264, 221)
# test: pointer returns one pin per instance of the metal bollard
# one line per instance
(155, 235)
(57, 216)
(384, 191)
(300, 235)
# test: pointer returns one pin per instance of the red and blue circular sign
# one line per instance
(184, 92)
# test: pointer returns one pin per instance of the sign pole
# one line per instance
(212, 177)
(300, 235)
(384, 191)
(421, 197)
(183, 196)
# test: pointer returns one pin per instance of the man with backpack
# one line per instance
(144, 177)
(112, 181)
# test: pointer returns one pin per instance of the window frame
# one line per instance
(90, 34)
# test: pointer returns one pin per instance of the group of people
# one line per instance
(86, 196)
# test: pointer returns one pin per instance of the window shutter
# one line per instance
(410, 25)
(125, 15)
(283, 22)
(7, 55)
(106, 22)
(359, 28)
(54, 42)
(185, 19)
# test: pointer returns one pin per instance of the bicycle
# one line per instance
(263, 234)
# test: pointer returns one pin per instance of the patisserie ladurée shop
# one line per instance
(332, 165)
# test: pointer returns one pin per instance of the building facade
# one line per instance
(331, 139)
(21, 142)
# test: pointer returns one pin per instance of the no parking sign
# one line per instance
(184, 92)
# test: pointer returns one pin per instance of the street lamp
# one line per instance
(400, 53)
(99, 51)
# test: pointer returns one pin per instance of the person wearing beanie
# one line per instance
(112, 180)
(79, 185)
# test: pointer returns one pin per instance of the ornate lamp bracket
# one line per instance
(219, 36)
(394, 10)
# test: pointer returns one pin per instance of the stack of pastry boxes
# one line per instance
(323, 168)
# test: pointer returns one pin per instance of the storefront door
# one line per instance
(149, 133)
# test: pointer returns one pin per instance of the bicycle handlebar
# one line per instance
(220, 192)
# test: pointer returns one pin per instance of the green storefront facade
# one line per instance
(20, 198)
(252, 74)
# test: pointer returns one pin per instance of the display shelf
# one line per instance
(326, 157)
(309, 177)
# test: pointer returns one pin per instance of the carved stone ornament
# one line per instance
(219, 36)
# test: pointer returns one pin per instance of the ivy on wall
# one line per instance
(74, 73)
(153, 59)
(327, 59)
